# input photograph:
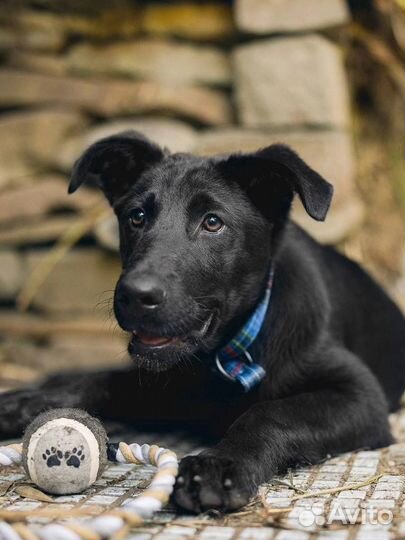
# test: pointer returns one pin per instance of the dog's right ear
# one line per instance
(114, 163)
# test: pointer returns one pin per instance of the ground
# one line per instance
(356, 496)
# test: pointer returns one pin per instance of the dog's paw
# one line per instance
(208, 483)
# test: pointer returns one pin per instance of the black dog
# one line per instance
(199, 238)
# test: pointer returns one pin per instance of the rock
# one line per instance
(156, 60)
(75, 7)
(396, 14)
(399, 287)
(24, 31)
(19, 325)
(316, 148)
(78, 283)
(47, 30)
(104, 351)
(16, 375)
(34, 61)
(43, 197)
(109, 98)
(114, 21)
(268, 16)
(107, 233)
(32, 139)
(11, 274)
(294, 81)
(172, 134)
(8, 39)
(65, 353)
(36, 232)
(38, 39)
(342, 221)
(208, 21)
(44, 30)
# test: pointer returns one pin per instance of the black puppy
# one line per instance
(315, 368)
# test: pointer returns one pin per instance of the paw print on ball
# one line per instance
(74, 458)
(52, 457)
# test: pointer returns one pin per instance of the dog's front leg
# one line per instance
(343, 409)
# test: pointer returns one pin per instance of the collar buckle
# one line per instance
(243, 371)
(224, 372)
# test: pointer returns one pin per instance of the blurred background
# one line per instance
(324, 76)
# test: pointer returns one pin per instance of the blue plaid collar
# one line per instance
(234, 361)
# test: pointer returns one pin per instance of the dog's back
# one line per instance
(367, 321)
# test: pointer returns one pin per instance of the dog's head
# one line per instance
(197, 236)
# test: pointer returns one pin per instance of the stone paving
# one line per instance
(306, 504)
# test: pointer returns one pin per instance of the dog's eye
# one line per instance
(137, 217)
(212, 223)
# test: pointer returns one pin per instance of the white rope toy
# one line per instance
(130, 514)
(10, 455)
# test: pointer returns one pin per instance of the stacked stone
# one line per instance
(291, 86)
(205, 78)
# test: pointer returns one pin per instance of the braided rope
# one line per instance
(10, 455)
(116, 522)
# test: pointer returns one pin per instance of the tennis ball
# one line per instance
(64, 451)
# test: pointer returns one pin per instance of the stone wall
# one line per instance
(211, 78)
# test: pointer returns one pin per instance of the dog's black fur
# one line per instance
(333, 344)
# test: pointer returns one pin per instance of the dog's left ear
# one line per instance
(272, 175)
(114, 163)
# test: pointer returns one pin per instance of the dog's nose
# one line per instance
(147, 291)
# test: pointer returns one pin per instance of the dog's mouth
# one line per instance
(153, 341)
(148, 340)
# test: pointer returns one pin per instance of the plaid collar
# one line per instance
(234, 361)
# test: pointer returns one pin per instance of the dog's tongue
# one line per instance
(154, 341)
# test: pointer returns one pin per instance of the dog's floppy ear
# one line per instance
(277, 172)
(114, 163)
